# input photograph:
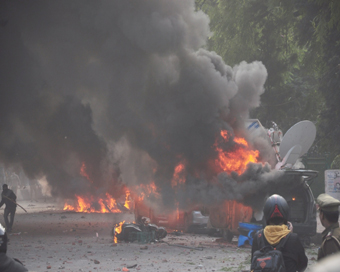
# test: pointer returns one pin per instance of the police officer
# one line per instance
(329, 216)
(8, 198)
(276, 212)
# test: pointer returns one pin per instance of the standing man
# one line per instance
(8, 198)
(277, 232)
(329, 216)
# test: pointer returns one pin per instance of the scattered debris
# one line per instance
(15, 234)
(177, 233)
(178, 245)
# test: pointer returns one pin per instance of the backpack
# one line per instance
(268, 258)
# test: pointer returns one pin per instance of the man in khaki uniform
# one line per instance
(329, 216)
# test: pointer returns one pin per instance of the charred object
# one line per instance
(141, 232)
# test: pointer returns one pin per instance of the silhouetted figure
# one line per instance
(8, 198)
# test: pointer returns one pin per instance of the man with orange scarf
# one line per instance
(276, 212)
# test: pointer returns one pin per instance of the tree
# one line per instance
(336, 163)
(266, 31)
(320, 31)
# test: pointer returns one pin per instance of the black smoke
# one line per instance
(125, 87)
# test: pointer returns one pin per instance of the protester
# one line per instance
(276, 212)
(329, 216)
(8, 198)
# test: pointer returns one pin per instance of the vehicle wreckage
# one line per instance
(142, 232)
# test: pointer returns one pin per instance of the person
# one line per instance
(276, 212)
(328, 207)
(8, 198)
(8, 264)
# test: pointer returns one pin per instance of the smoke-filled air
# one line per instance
(100, 97)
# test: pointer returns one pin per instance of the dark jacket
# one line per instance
(8, 193)
(293, 253)
(8, 264)
(329, 244)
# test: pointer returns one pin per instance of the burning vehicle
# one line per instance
(188, 220)
(291, 183)
(288, 181)
(142, 232)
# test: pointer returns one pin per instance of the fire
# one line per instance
(178, 176)
(93, 205)
(237, 159)
(84, 173)
(225, 135)
(117, 230)
(227, 161)
(127, 200)
(146, 190)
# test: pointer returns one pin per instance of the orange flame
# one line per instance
(236, 160)
(117, 230)
(127, 203)
(178, 177)
(225, 135)
(146, 189)
(84, 173)
(93, 205)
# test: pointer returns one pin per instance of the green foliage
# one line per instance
(336, 163)
(325, 47)
(263, 30)
(299, 43)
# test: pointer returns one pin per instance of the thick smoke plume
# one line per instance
(124, 88)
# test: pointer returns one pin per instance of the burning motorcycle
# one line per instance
(142, 232)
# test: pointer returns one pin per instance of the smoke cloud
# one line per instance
(124, 88)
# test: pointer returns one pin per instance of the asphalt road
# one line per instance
(49, 239)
